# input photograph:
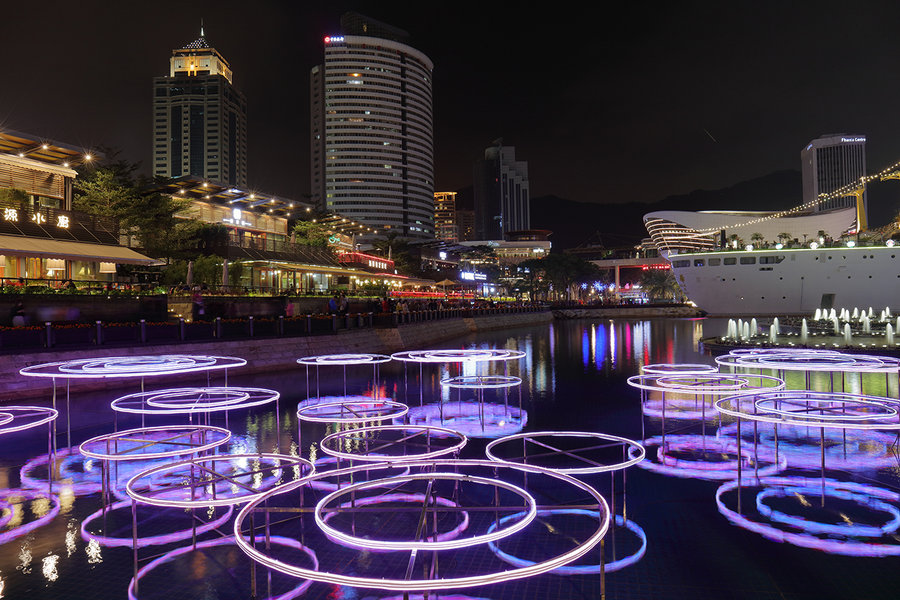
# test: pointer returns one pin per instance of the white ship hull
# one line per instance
(790, 282)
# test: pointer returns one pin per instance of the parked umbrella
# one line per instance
(190, 274)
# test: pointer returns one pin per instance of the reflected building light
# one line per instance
(585, 349)
(600, 358)
(25, 556)
(93, 552)
(593, 345)
(612, 345)
(48, 567)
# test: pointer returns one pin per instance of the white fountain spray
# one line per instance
(848, 335)
(731, 332)
(818, 316)
(773, 336)
(754, 328)
(866, 324)
(745, 333)
(837, 325)
(855, 314)
(804, 332)
(776, 326)
(889, 335)
(832, 315)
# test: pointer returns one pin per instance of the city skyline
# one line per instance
(635, 106)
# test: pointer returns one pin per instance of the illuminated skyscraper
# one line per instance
(445, 216)
(830, 162)
(372, 151)
(199, 118)
(502, 201)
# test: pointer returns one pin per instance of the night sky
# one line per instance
(647, 100)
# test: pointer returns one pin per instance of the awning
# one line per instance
(47, 248)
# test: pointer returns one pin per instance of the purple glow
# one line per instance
(343, 359)
(182, 401)
(537, 439)
(472, 419)
(457, 356)
(707, 470)
(26, 417)
(143, 542)
(146, 443)
(481, 382)
(755, 407)
(346, 439)
(364, 410)
(10, 499)
(131, 366)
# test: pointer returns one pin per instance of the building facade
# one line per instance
(372, 131)
(502, 200)
(445, 217)
(199, 118)
(829, 162)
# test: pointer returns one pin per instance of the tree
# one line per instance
(311, 233)
(757, 238)
(13, 196)
(162, 234)
(564, 271)
(102, 193)
(659, 285)
(783, 237)
(397, 247)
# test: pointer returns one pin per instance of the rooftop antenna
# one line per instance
(201, 28)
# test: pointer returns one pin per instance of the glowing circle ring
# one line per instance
(457, 355)
(350, 411)
(131, 366)
(846, 529)
(151, 492)
(429, 430)
(732, 406)
(651, 383)
(95, 447)
(677, 369)
(278, 540)
(633, 457)
(324, 360)
(26, 417)
(609, 567)
(370, 543)
(143, 542)
(180, 401)
(709, 471)
(374, 500)
(5, 418)
(765, 404)
(430, 584)
(481, 382)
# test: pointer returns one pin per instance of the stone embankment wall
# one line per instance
(629, 312)
(262, 354)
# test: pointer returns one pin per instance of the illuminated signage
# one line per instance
(10, 214)
(853, 139)
(377, 264)
(334, 39)
(468, 276)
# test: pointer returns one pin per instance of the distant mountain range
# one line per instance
(576, 223)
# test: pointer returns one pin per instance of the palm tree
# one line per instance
(784, 237)
(757, 239)
(659, 285)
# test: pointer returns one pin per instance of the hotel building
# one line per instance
(502, 201)
(372, 152)
(199, 118)
(830, 162)
(445, 217)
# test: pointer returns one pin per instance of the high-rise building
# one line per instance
(829, 162)
(372, 150)
(445, 217)
(502, 202)
(199, 118)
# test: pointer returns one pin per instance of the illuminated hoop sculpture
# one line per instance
(434, 582)
(343, 360)
(805, 408)
(454, 356)
(812, 361)
(370, 444)
(12, 497)
(20, 418)
(199, 400)
(846, 538)
(494, 419)
(575, 446)
(110, 367)
(361, 409)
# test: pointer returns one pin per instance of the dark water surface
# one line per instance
(574, 378)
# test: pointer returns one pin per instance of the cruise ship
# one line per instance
(758, 264)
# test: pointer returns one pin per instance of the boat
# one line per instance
(819, 261)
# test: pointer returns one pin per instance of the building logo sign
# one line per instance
(845, 140)
(469, 276)
(334, 39)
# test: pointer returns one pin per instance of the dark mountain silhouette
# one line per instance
(575, 223)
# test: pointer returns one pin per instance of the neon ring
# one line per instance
(150, 442)
(26, 417)
(179, 401)
(325, 463)
(677, 369)
(131, 366)
(437, 544)
(410, 585)
(374, 500)
(840, 545)
(679, 409)
(578, 569)
(5, 418)
(455, 356)
(343, 439)
(732, 406)
(769, 404)
(344, 359)
(10, 498)
(652, 383)
(481, 382)
(552, 451)
(472, 419)
(846, 529)
(364, 410)
(64, 455)
(156, 540)
(204, 492)
(281, 541)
